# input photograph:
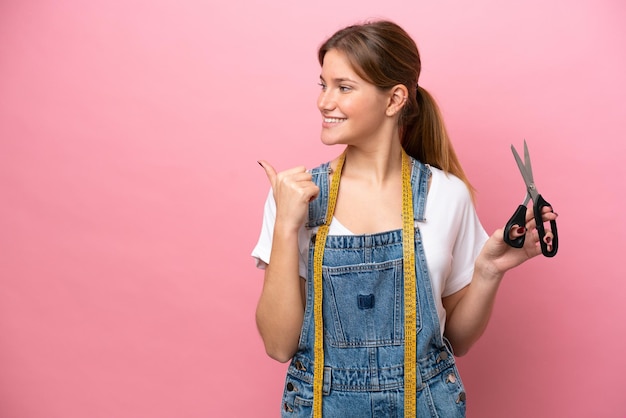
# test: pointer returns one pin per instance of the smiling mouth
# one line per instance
(333, 120)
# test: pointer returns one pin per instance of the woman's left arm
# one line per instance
(468, 310)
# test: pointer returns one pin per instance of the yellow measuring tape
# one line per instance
(408, 251)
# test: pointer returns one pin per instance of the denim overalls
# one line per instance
(363, 312)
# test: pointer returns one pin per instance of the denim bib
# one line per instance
(364, 334)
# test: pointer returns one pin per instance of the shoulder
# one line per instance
(449, 186)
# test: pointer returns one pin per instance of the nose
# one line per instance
(325, 101)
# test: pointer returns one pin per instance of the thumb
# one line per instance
(269, 171)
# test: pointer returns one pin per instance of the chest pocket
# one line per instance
(363, 304)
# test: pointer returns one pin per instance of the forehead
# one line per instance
(337, 65)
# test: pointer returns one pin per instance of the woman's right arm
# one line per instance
(280, 310)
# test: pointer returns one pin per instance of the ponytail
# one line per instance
(426, 139)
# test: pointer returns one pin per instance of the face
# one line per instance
(353, 110)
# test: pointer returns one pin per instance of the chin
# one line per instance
(331, 141)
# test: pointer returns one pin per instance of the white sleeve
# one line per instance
(469, 242)
(262, 250)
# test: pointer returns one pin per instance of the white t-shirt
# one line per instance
(452, 236)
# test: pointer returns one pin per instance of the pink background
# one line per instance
(130, 196)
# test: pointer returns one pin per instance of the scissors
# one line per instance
(519, 217)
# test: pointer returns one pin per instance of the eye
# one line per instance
(345, 89)
(322, 85)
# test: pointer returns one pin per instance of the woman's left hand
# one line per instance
(497, 257)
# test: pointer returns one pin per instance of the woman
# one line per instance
(380, 269)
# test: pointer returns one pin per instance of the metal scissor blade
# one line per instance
(529, 168)
(524, 170)
(520, 163)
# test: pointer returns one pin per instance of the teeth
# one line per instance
(333, 120)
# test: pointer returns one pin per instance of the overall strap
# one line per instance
(319, 207)
(420, 175)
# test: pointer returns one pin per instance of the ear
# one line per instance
(398, 96)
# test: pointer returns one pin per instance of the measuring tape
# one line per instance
(408, 252)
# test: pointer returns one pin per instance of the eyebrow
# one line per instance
(340, 79)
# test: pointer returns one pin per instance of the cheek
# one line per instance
(373, 112)
(352, 107)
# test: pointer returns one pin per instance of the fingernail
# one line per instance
(548, 240)
(521, 230)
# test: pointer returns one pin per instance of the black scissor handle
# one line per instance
(538, 207)
(519, 219)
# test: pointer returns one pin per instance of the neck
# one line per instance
(376, 166)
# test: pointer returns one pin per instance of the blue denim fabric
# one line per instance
(363, 311)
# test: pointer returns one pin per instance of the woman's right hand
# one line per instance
(280, 310)
(293, 189)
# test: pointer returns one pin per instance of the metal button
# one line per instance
(461, 397)
(443, 356)
(287, 407)
(290, 387)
